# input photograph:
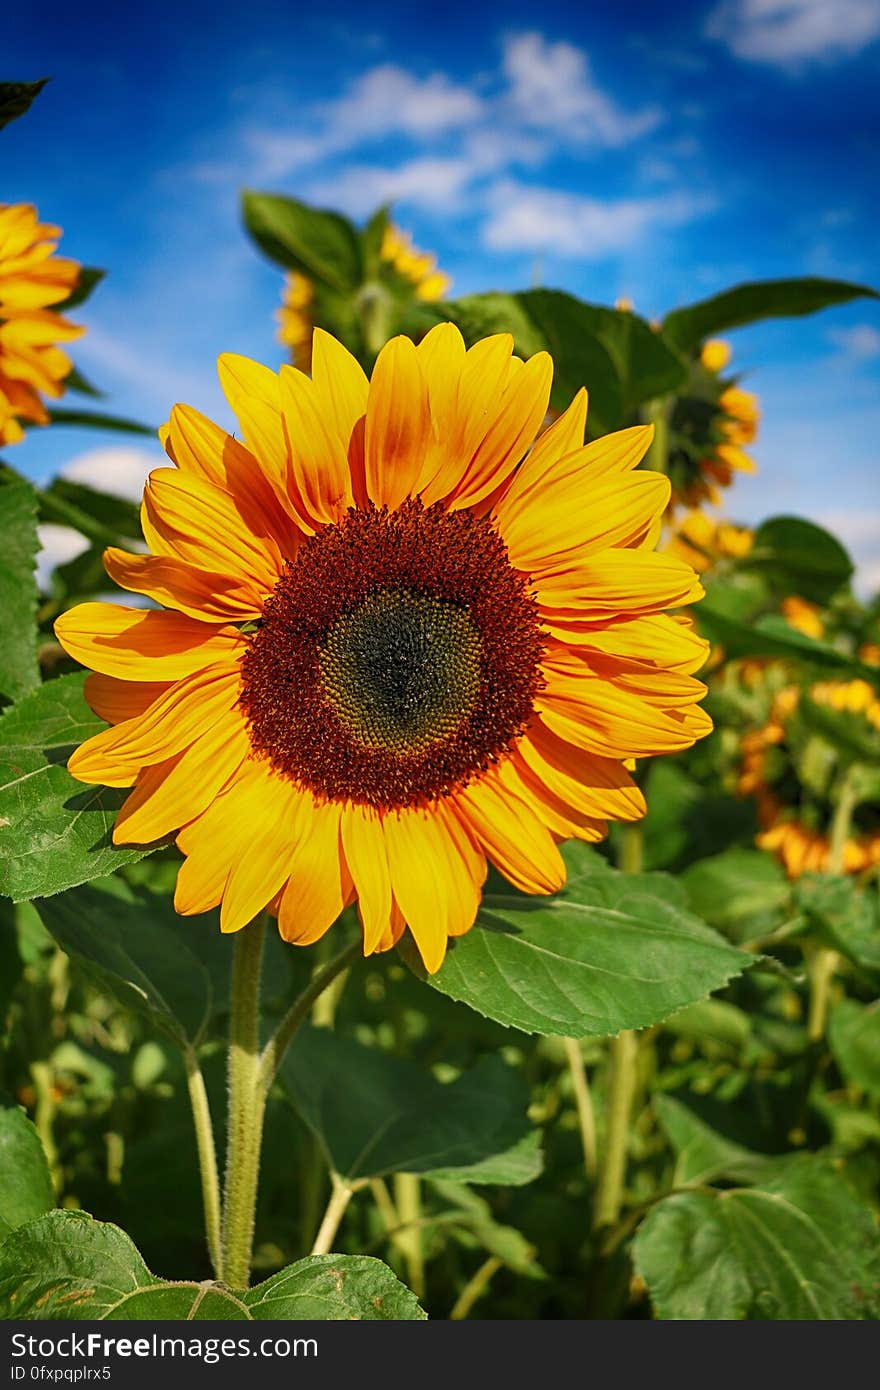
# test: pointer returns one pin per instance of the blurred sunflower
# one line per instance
(400, 637)
(793, 766)
(703, 541)
(32, 278)
(414, 271)
(711, 423)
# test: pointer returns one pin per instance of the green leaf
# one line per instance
(376, 1114)
(90, 421)
(767, 636)
(847, 915)
(65, 1266)
(854, 1039)
(132, 947)
(799, 557)
(98, 515)
(334, 1287)
(77, 381)
(19, 543)
(54, 831)
(16, 98)
(371, 240)
(702, 1154)
(801, 1246)
(760, 299)
(322, 245)
(477, 1228)
(741, 891)
(616, 355)
(615, 954)
(25, 1182)
(89, 278)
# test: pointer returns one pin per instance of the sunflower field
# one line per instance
(439, 847)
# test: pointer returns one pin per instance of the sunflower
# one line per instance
(31, 279)
(793, 772)
(711, 423)
(415, 271)
(703, 541)
(399, 637)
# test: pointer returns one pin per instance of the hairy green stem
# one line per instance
(246, 1107)
(825, 961)
(340, 1195)
(476, 1285)
(584, 1102)
(201, 1113)
(273, 1053)
(408, 1201)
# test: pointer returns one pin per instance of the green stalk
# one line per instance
(246, 1107)
(657, 457)
(273, 1053)
(201, 1113)
(825, 961)
(475, 1287)
(622, 1082)
(584, 1101)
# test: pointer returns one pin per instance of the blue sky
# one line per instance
(654, 153)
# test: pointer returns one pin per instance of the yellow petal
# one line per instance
(201, 594)
(187, 518)
(138, 644)
(320, 885)
(318, 456)
(433, 879)
(398, 429)
(363, 842)
(512, 836)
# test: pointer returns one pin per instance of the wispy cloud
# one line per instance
(550, 86)
(791, 33)
(861, 341)
(525, 218)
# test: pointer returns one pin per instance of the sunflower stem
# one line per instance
(657, 457)
(273, 1053)
(584, 1102)
(201, 1113)
(247, 1103)
(408, 1201)
(475, 1287)
(340, 1196)
(622, 1081)
(825, 961)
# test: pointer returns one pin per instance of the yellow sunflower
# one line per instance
(32, 278)
(296, 317)
(400, 636)
(792, 777)
(702, 540)
(711, 423)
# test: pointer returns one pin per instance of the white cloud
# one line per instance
(58, 545)
(389, 99)
(119, 470)
(550, 85)
(862, 341)
(534, 219)
(789, 33)
(427, 182)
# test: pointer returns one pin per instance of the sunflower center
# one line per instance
(397, 658)
(402, 669)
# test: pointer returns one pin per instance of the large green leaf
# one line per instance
(94, 421)
(322, 245)
(616, 355)
(337, 1287)
(98, 515)
(797, 556)
(25, 1183)
(742, 892)
(19, 672)
(702, 1154)
(16, 98)
(54, 831)
(768, 636)
(760, 299)
(854, 1039)
(65, 1266)
(132, 947)
(801, 1246)
(376, 1114)
(846, 914)
(613, 952)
